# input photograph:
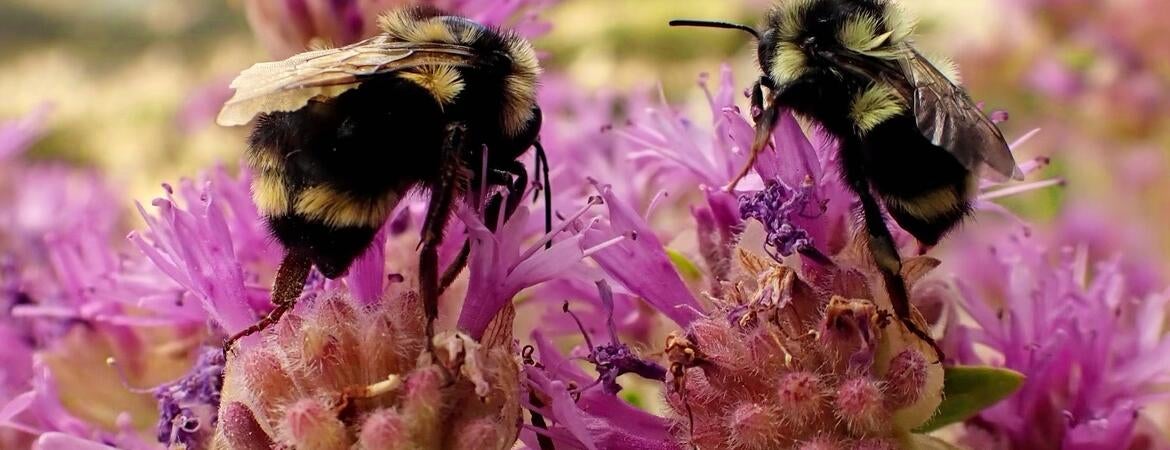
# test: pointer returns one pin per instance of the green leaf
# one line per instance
(685, 267)
(970, 389)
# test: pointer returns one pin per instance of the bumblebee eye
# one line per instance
(809, 42)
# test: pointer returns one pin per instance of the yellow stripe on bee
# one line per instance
(402, 25)
(928, 206)
(790, 16)
(860, 33)
(270, 194)
(265, 160)
(900, 23)
(875, 105)
(338, 209)
(519, 85)
(788, 63)
(443, 82)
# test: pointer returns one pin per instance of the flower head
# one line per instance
(1051, 316)
(778, 349)
(188, 405)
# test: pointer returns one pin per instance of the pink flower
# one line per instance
(501, 267)
(16, 136)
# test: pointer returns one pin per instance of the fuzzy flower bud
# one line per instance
(859, 406)
(383, 429)
(801, 398)
(312, 425)
(753, 426)
(906, 378)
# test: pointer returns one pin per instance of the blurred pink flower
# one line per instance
(1093, 351)
(17, 135)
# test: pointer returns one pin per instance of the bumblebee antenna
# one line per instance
(715, 24)
(542, 162)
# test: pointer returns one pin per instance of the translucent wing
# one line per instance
(948, 117)
(289, 85)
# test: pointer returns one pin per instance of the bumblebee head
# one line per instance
(799, 36)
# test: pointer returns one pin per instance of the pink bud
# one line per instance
(266, 380)
(821, 443)
(723, 347)
(383, 429)
(802, 397)
(752, 426)
(876, 444)
(906, 378)
(859, 406)
(310, 425)
(480, 434)
(422, 404)
(240, 429)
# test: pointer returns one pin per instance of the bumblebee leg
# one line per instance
(438, 210)
(757, 99)
(764, 126)
(885, 255)
(546, 191)
(290, 281)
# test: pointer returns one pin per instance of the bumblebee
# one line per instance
(908, 134)
(435, 103)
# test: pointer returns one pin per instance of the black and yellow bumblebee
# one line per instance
(435, 103)
(907, 134)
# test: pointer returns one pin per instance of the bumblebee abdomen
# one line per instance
(328, 175)
(924, 188)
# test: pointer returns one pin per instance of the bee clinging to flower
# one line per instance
(909, 136)
(435, 103)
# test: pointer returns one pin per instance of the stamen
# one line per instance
(593, 201)
(580, 326)
(602, 246)
(1020, 188)
(126, 379)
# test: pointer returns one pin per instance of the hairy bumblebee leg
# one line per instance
(516, 189)
(757, 99)
(438, 209)
(764, 126)
(885, 255)
(286, 289)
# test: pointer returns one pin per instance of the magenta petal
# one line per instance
(499, 268)
(640, 262)
(796, 157)
(367, 277)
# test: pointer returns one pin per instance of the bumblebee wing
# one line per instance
(289, 85)
(947, 116)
